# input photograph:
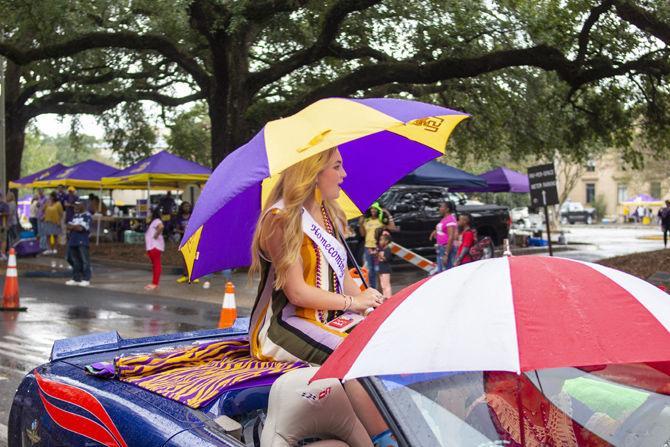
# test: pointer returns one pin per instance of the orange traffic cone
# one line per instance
(10, 294)
(357, 278)
(229, 307)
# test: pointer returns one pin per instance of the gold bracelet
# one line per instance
(347, 306)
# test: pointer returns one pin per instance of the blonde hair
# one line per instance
(296, 184)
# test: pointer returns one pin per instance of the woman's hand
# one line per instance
(365, 300)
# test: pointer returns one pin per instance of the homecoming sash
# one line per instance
(330, 247)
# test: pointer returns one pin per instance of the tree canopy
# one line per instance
(539, 77)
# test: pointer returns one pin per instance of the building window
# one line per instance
(590, 192)
(655, 189)
(590, 166)
(622, 193)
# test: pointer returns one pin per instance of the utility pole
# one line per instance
(3, 156)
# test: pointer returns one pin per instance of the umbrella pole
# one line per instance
(519, 404)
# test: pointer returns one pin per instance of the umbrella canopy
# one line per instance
(86, 174)
(26, 182)
(502, 180)
(440, 174)
(644, 200)
(161, 170)
(381, 140)
(509, 314)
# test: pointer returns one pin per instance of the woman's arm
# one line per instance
(391, 225)
(451, 231)
(350, 286)
(159, 231)
(361, 226)
(301, 294)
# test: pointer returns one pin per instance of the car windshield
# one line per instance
(595, 406)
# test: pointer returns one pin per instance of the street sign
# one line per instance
(542, 180)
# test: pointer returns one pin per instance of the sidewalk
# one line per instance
(132, 278)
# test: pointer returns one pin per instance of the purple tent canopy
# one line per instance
(26, 182)
(643, 198)
(86, 174)
(161, 170)
(502, 180)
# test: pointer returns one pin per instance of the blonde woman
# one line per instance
(304, 280)
(300, 290)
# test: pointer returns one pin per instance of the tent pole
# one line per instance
(148, 195)
(97, 231)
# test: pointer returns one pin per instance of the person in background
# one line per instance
(466, 238)
(53, 214)
(384, 258)
(183, 215)
(61, 194)
(376, 217)
(95, 205)
(168, 208)
(68, 203)
(4, 227)
(155, 246)
(14, 229)
(79, 228)
(42, 199)
(664, 218)
(33, 213)
(445, 234)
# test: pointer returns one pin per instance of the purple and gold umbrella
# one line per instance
(381, 140)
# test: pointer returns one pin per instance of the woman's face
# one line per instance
(330, 179)
(374, 213)
(187, 207)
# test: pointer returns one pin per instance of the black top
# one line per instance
(385, 264)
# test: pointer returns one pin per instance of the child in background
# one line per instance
(384, 263)
(155, 246)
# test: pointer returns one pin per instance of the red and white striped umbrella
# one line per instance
(509, 314)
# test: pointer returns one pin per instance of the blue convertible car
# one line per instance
(61, 404)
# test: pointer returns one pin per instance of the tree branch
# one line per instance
(76, 102)
(122, 39)
(258, 11)
(583, 39)
(542, 56)
(643, 19)
(330, 27)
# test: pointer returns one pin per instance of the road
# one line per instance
(602, 242)
(56, 311)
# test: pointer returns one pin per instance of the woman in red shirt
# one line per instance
(467, 240)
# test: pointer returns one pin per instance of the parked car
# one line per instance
(58, 404)
(572, 212)
(525, 219)
(415, 210)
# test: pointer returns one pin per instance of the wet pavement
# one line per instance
(56, 311)
(117, 302)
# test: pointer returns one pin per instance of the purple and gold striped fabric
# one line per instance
(196, 375)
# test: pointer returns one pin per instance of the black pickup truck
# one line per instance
(415, 210)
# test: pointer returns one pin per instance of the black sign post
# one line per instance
(543, 191)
